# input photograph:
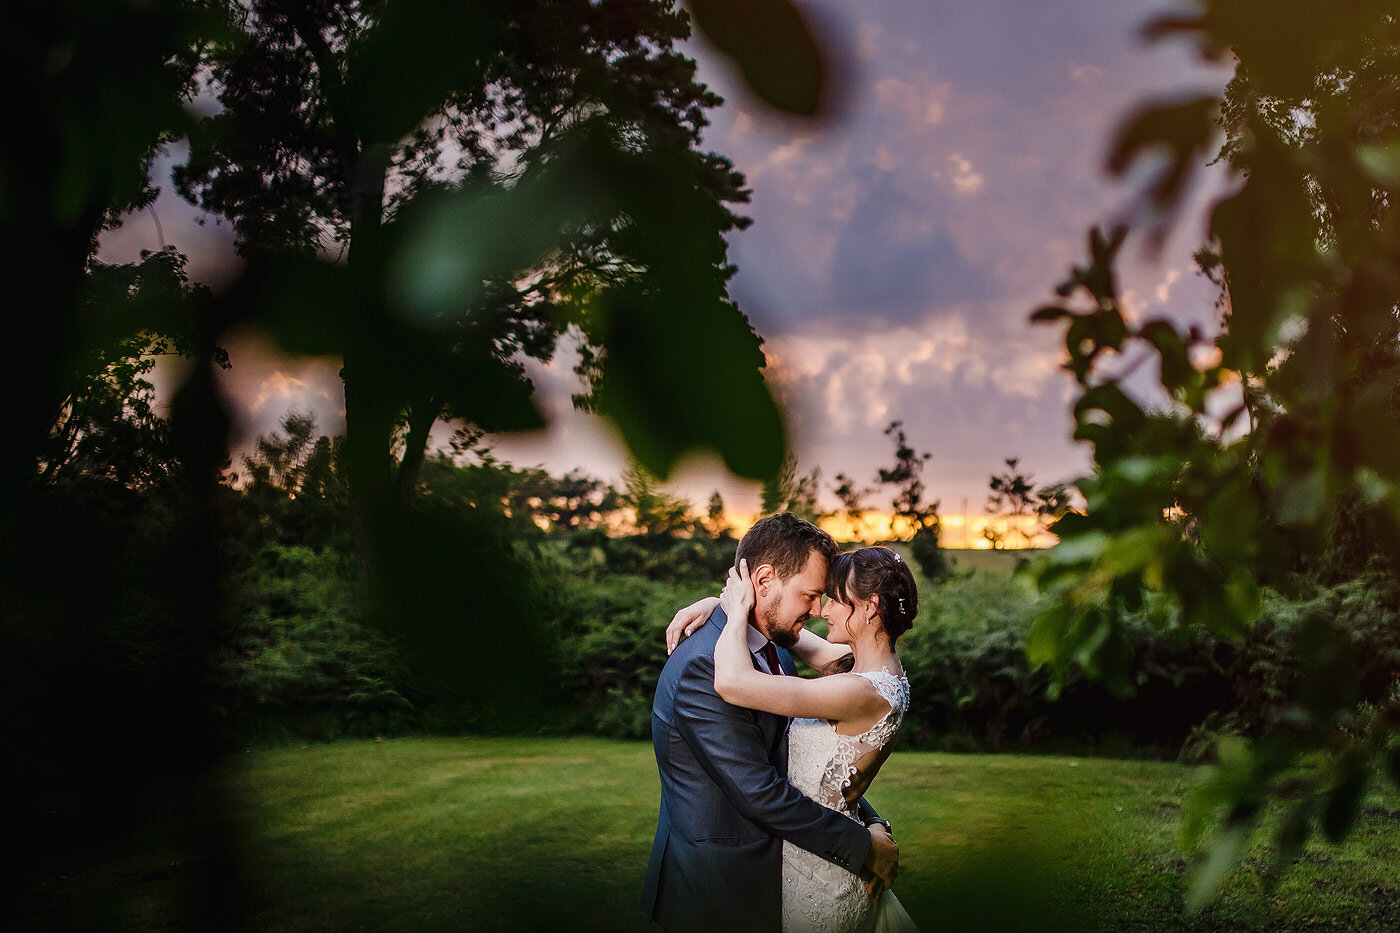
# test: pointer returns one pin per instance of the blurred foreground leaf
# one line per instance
(774, 48)
(1262, 456)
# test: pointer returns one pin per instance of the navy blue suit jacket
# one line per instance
(726, 804)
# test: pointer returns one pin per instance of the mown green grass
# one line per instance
(429, 834)
(987, 560)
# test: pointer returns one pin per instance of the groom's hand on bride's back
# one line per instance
(882, 862)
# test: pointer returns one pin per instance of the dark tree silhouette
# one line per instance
(788, 491)
(1015, 498)
(615, 225)
(921, 518)
(714, 515)
(851, 496)
(906, 476)
(336, 137)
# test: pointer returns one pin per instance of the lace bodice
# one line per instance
(832, 768)
(823, 763)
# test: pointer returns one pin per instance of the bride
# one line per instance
(844, 723)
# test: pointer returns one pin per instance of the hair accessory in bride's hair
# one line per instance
(896, 555)
(901, 605)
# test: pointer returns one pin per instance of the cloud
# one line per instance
(263, 385)
(848, 379)
(869, 36)
(1085, 73)
(1164, 288)
(278, 386)
(919, 101)
(895, 255)
(965, 179)
(966, 396)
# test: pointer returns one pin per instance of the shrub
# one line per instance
(687, 560)
(612, 646)
(971, 686)
(928, 554)
(301, 660)
(305, 659)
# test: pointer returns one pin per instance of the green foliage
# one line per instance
(683, 561)
(330, 122)
(603, 600)
(929, 555)
(973, 688)
(300, 659)
(789, 492)
(1202, 508)
(106, 427)
(294, 486)
(1308, 660)
(612, 646)
(471, 476)
(655, 514)
(543, 175)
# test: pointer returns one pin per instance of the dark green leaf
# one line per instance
(1293, 833)
(677, 380)
(1225, 854)
(772, 45)
(1328, 679)
(1176, 368)
(1185, 130)
(1344, 802)
(1049, 313)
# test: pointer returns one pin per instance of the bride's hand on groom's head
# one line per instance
(737, 599)
(688, 620)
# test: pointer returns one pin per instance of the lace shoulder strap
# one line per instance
(894, 688)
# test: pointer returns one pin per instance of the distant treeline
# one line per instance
(306, 656)
(571, 638)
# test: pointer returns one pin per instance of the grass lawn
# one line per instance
(429, 834)
(988, 560)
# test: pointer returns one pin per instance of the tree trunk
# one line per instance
(422, 416)
(370, 412)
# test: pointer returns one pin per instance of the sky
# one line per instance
(896, 249)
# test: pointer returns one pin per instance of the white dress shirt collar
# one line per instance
(756, 643)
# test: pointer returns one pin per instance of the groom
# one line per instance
(726, 804)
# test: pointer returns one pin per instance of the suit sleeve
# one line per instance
(728, 743)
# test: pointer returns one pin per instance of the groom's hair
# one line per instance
(784, 540)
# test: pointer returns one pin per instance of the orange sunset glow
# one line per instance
(958, 531)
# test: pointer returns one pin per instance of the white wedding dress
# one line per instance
(819, 897)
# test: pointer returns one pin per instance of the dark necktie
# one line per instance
(770, 654)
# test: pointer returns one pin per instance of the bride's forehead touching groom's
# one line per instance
(787, 557)
(782, 605)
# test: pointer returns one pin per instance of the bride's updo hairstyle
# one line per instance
(876, 571)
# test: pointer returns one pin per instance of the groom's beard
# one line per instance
(777, 634)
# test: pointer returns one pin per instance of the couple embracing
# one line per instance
(763, 825)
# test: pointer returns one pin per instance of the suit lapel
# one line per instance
(775, 727)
